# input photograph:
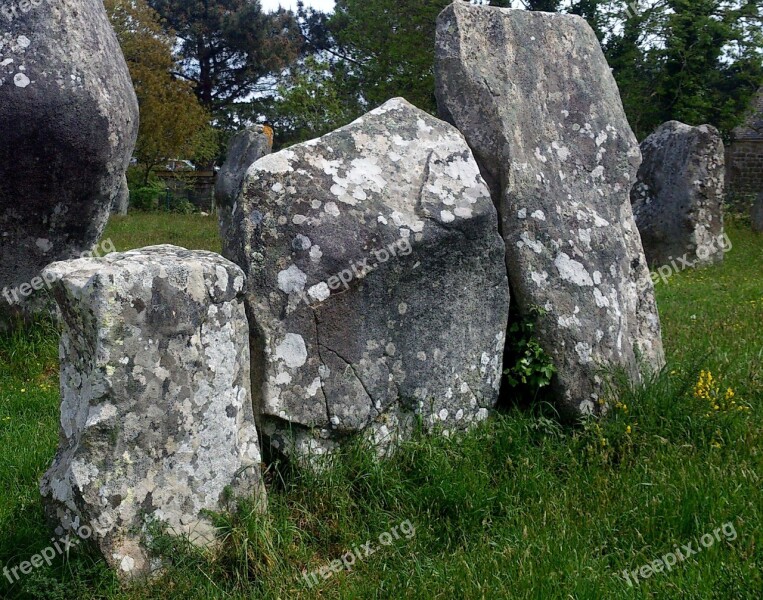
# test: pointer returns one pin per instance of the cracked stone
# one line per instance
(409, 261)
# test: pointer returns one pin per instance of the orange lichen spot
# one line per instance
(267, 129)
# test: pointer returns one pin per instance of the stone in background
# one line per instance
(69, 120)
(156, 410)
(534, 97)
(377, 291)
(122, 199)
(757, 214)
(678, 198)
(245, 148)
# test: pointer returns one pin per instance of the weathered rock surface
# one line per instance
(377, 289)
(678, 198)
(156, 410)
(122, 199)
(757, 214)
(542, 113)
(245, 148)
(69, 120)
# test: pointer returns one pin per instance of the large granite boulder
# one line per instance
(542, 113)
(245, 148)
(156, 408)
(757, 214)
(678, 198)
(69, 120)
(377, 293)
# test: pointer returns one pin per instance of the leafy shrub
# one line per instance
(182, 206)
(737, 207)
(529, 367)
(145, 197)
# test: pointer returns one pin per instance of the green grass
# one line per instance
(519, 508)
(139, 229)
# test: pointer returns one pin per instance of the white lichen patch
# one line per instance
(21, 80)
(292, 351)
(539, 278)
(332, 209)
(292, 280)
(584, 351)
(277, 163)
(572, 271)
(319, 291)
(534, 245)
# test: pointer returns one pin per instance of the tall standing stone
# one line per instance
(678, 198)
(377, 290)
(535, 99)
(757, 214)
(156, 407)
(69, 120)
(245, 148)
(122, 199)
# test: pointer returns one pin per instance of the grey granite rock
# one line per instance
(156, 409)
(678, 198)
(377, 289)
(244, 149)
(535, 99)
(69, 121)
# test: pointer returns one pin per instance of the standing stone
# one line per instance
(678, 198)
(757, 214)
(69, 120)
(377, 289)
(244, 149)
(533, 95)
(122, 199)
(156, 411)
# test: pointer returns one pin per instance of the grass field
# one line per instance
(519, 508)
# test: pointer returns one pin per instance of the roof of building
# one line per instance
(752, 128)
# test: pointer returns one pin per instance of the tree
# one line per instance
(544, 5)
(228, 47)
(309, 103)
(697, 61)
(172, 122)
(694, 60)
(386, 47)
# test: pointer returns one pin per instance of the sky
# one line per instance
(324, 5)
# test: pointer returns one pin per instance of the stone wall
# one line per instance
(744, 156)
(198, 187)
(744, 160)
